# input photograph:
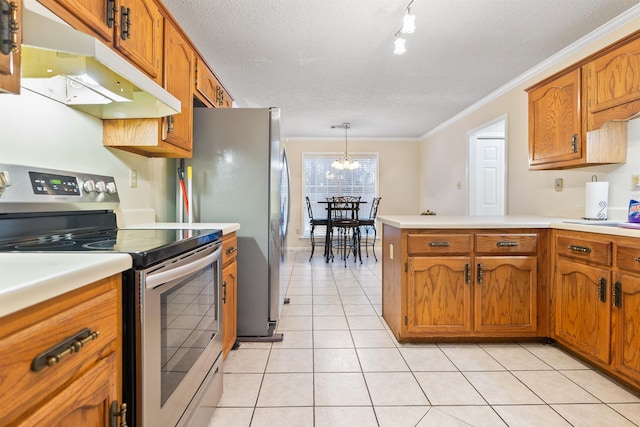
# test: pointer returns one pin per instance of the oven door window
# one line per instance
(189, 321)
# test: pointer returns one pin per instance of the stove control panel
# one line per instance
(35, 189)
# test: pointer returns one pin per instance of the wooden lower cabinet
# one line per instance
(464, 284)
(505, 294)
(81, 387)
(229, 293)
(439, 299)
(626, 326)
(582, 309)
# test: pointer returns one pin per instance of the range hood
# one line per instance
(80, 71)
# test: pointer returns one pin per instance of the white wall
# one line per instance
(39, 132)
(399, 166)
(443, 154)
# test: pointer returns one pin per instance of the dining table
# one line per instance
(331, 208)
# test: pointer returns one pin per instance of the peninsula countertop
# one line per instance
(617, 228)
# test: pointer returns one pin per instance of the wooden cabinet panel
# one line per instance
(209, 88)
(10, 62)
(229, 292)
(505, 294)
(582, 309)
(141, 40)
(613, 84)
(628, 258)
(434, 244)
(98, 16)
(179, 74)
(585, 249)
(506, 243)
(82, 383)
(555, 125)
(439, 295)
(626, 321)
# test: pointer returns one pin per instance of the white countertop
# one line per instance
(509, 221)
(29, 278)
(226, 227)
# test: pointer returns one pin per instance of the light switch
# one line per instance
(558, 184)
(133, 178)
(390, 251)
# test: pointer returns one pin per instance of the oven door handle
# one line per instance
(157, 279)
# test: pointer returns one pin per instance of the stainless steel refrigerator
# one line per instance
(238, 168)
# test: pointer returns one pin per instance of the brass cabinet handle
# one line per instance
(231, 250)
(224, 292)
(70, 345)
(602, 289)
(125, 23)
(574, 143)
(583, 249)
(480, 273)
(111, 13)
(118, 413)
(467, 273)
(8, 27)
(616, 294)
(506, 244)
(439, 244)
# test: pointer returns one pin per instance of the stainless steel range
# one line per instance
(172, 331)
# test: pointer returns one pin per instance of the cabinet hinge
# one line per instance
(118, 412)
(406, 320)
(406, 267)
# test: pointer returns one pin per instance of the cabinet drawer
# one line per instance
(229, 248)
(628, 258)
(25, 387)
(506, 243)
(593, 251)
(438, 243)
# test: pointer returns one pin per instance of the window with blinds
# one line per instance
(320, 181)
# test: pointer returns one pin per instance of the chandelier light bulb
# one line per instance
(399, 46)
(408, 23)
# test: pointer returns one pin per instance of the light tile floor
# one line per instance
(339, 365)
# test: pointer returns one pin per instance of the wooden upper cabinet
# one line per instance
(11, 23)
(613, 84)
(139, 36)
(179, 75)
(132, 27)
(555, 125)
(208, 88)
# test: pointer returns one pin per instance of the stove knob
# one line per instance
(89, 186)
(5, 179)
(111, 188)
(101, 187)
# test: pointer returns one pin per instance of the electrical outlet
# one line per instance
(133, 178)
(390, 251)
(558, 184)
(635, 182)
(459, 185)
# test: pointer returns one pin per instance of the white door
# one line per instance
(487, 171)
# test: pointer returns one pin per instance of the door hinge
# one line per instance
(406, 267)
(116, 413)
(406, 320)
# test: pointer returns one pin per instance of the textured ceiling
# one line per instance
(324, 62)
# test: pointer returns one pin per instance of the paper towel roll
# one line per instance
(596, 200)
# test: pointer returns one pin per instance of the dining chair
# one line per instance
(345, 227)
(314, 222)
(370, 224)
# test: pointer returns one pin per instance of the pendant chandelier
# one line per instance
(345, 162)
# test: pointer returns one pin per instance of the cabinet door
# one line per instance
(139, 36)
(97, 15)
(626, 331)
(86, 402)
(229, 306)
(505, 294)
(613, 85)
(582, 312)
(554, 121)
(439, 295)
(179, 74)
(10, 58)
